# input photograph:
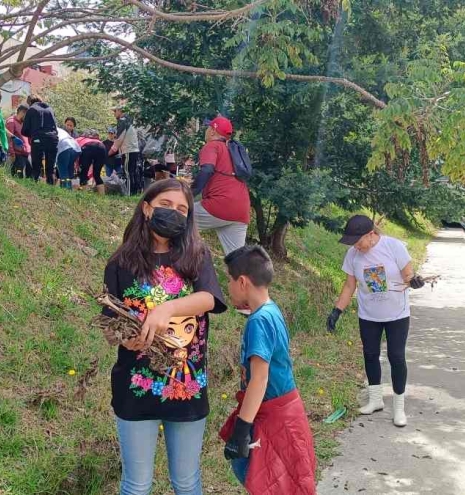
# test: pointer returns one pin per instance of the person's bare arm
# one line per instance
(158, 319)
(407, 273)
(256, 388)
(347, 292)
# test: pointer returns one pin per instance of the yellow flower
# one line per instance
(161, 428)
(321, 391)
(150, 304)
(224, 396)
(353, 311)
(350, 343)
(71, 372)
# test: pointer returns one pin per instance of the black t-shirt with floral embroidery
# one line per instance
(139, 393)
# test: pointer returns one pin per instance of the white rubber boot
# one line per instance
(398, 407)
(375, 402)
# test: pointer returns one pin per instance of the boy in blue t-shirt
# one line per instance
(265, 361)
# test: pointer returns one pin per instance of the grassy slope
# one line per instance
(54, 444)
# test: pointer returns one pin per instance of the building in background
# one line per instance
(32, 80)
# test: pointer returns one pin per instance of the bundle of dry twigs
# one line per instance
(432, 280)
(125, 326)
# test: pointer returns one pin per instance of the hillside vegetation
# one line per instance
(53, 248)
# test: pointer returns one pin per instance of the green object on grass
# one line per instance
(337, 414)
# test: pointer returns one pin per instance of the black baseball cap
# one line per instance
(356, 227)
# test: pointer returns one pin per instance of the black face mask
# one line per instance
(168, 223)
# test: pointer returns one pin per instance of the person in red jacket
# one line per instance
(268, 438)
(19, 148)
(225, 204)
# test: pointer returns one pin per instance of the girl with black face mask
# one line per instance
(164, 274)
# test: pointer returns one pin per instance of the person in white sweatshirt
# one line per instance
(68, 152)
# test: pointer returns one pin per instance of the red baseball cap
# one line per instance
(222, 126)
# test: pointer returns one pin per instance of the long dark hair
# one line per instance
(136, 253)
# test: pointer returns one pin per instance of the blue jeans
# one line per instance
(240, 468)
(65, 163)
(109, 169)
(138, 444)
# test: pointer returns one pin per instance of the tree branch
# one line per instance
(187, 68)
(214, 15)
(84, 20)
(32, 26)
(188, 17)
(65, 58)
(61, 13)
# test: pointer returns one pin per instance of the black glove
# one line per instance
(332, 320)
(238, 445)
(417, 282)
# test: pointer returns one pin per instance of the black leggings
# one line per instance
(396, 336)
(92, 154)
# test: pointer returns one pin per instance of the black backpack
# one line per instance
(241, 161)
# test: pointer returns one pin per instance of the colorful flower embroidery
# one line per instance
(141, 381)
(167, 285)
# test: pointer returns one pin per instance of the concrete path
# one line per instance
(428, 455)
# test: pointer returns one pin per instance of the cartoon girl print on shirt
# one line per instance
(182, 381)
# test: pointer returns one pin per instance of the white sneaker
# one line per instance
(375, 401)
(400, 419)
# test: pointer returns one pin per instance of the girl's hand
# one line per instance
(133, 344)
(156, 323)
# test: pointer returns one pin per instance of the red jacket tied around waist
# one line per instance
(285, 463)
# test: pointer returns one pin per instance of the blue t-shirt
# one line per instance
(267, 337)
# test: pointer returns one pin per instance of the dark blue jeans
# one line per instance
(21, 167)
(65, 164)
(240, 468)
(109, 169)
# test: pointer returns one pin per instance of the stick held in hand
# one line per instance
(124, 326)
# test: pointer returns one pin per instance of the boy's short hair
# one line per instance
(22, 108)
(253, 262)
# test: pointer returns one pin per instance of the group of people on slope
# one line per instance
(34, 142)
(164, 273)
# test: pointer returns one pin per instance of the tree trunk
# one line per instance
(261, 221)
(278, 238)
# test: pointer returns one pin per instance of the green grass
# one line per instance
(53, 444)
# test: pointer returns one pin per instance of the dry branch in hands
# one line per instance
(432, 280)
(124, 326)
